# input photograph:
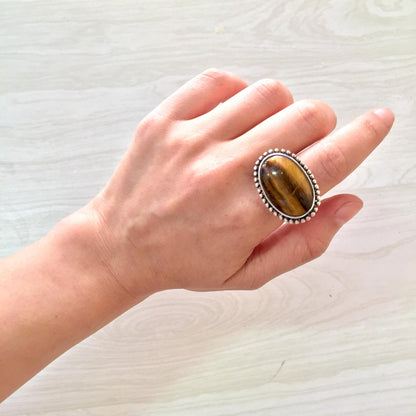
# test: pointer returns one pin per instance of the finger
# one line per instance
(336, 156)
(330, 160)
(201, 94)
(293, 128)
(246, 109)
(291, 246)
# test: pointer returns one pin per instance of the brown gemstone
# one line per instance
(287, 186)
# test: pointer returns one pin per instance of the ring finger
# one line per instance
(245, 110)
(330, 160)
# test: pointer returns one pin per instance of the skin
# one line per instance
(180, 211)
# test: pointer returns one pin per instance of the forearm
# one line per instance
(53, 294)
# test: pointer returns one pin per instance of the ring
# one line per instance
(286, 186)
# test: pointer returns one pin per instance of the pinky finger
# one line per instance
(293, 245)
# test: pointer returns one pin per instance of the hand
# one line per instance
(182, 211)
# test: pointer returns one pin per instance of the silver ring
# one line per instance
(286, 186)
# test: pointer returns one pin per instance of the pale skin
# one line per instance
(180, 211)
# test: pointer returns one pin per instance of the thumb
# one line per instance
(292, 245)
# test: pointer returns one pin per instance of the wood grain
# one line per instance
(334, 337)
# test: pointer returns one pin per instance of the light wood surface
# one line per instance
(335, 337)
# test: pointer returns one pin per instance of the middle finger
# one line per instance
(294, 128)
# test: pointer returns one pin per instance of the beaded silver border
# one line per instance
(316, 193)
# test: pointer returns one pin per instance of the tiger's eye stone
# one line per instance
(286, 185)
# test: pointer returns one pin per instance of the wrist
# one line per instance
(123, 246)
(89, 250)
(55, 293)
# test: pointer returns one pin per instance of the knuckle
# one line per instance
(309, 112)
(217, 78)
(217, 75)
(267, 87)
(152, 119)
(150, 124)
(204, 178)
(372, 128)
(313, 248)
(316, 115)
(240, 223)
(273, 91)
(334, 163)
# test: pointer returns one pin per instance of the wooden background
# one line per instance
(335, 337)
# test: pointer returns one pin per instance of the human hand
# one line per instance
(182, 211)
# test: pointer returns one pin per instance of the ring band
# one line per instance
(286, 186)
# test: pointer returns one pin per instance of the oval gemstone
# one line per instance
(286, 186)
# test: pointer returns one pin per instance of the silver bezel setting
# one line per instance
(273, 209)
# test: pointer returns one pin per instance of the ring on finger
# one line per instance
(287, 186)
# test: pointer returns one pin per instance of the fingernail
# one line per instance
(385, 115)
(348, 210)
